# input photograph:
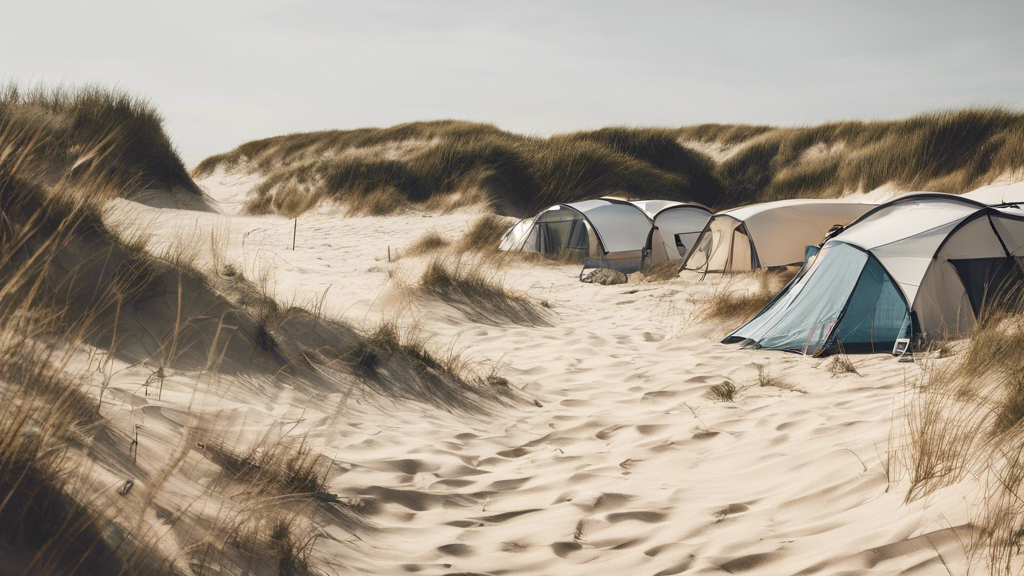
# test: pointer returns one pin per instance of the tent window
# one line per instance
(553, 237)
(876, 315)
(986, 279)
(680, 246)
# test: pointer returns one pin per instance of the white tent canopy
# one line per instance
(768, 235)
(676, 228)
(608, 233)
(920, 265)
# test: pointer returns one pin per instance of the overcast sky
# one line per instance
(229, 72)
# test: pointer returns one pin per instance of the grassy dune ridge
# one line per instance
(447, 163)
(947, 151)
(103, 132)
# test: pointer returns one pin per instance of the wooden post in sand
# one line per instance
(295, 228)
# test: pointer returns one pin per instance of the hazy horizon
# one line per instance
(225, 74)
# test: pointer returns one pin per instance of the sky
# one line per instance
(225, 73)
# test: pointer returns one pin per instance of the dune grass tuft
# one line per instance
(272, 467)
(728, 303)
(484, 235)
(766, 379)
(964, 420)
(122, 135)
(664, 271)
(841, 364)
(429, 242)
(724, 392)
(468, 287)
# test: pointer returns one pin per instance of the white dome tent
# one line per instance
(921, 265)
(607, 233)
(677, 225)
(768, 235)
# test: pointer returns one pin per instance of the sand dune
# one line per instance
(616, 460)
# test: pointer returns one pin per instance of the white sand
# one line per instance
(628, 466)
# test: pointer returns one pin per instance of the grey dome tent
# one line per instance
(922, 265)
(677, 225)
(607, 233)
(768, 235)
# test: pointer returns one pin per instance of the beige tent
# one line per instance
(768, 235)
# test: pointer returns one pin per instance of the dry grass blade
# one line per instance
(766, 379)
(728, 303)
(724, 392)
(484, 235)
(479, 295)
(429, 242)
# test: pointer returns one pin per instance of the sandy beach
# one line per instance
(617, 459)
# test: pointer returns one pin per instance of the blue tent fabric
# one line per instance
(844, 295)
(876, 314)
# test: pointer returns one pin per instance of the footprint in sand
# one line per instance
(610, 501)
(514, 452)
(459, 550)
(563, 549)
(645, 516)
(648, 429)
(506, 485)
(452, 483)
(648, 336)
(499, 518)
(406, 466)
(658, 395)
(730, 510)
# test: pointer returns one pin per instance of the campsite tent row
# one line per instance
(634, 235)
(922, 265)
(612, 233)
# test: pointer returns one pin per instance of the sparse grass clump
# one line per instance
(965, 421)
(765, 379)
(479, 295)
(841, 364)
(728, 303)
(272, 467)
(429, 242)
(484, 235)
(724, 392)
(665, 271)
